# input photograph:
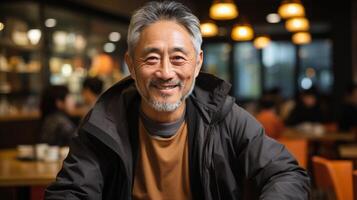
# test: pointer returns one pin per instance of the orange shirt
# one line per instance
(162, 169)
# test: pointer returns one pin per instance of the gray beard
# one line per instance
(163, 106)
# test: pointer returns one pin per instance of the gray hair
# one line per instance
(167, 10)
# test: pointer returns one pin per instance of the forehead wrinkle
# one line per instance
(148, 50)
(178, 49)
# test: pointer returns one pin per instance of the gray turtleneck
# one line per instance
(161, 129)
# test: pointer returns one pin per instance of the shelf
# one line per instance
(28, 48)
(66, 54)
(21, 72)
(20, 116)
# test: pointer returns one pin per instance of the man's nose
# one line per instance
(166, 69)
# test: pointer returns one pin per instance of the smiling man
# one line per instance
(164, 65)
(171, 132)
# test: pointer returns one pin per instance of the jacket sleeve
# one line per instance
(80, 176)
(266, 163)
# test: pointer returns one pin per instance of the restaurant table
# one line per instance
(15, 172)
(325, 136)
(323, 144)
(348, 151)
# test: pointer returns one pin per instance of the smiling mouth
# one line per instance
(165, 87)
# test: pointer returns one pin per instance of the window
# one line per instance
(216, 60)
(315, 67)
(279, 61)
(246, 71)
(275, 66)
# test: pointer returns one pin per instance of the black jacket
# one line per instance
(230, 157)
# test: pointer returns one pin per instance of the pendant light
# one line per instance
(34, 36)
(242, 32)
(301, 38)
(261, 42)
(297, 24)
(208, 29)
(291, 8)
(223, 10)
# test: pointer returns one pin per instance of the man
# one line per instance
(170, 132)
(91, 89)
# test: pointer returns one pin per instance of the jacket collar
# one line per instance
(209, 96)
(108, 122)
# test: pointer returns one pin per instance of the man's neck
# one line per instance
(163, 117)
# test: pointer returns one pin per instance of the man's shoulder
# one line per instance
(209, 83)
(119, 87)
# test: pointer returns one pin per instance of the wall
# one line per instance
(354, 40)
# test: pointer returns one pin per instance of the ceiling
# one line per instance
(319, 12)
(255, 10)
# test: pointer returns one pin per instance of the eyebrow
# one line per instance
(148, 50)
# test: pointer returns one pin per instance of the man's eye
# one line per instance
(177, 59)
(152, 59)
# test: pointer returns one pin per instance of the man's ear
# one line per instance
(130, 63)
(199, 63)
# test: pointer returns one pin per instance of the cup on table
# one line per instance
(52, 154)
(25, 152)
(318, 129)
(41, 151)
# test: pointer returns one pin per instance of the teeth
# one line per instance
(166, 87)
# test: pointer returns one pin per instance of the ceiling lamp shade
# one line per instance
(261, 42)
(209, 29)
(242, 32)
(301, 38)
(273, 18)
(1, 26)
(297, 24)
(291, 8)
(223, 10)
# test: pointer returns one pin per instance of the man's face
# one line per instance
(67, 105)
(86, 94)
(309, 100)
(164, 65)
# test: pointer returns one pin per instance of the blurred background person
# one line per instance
(269, 118)
(92, 87)
(56, 125)
(307, 109)
(274, 95)
(348, 117)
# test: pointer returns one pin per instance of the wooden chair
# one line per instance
(299, 149)
(37, 192)
(355, 184)
(334, 177)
